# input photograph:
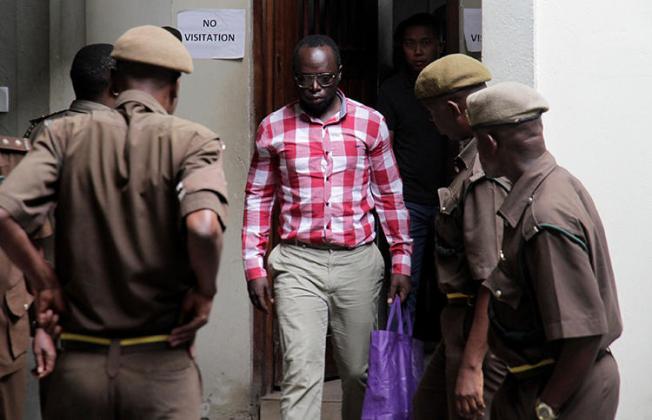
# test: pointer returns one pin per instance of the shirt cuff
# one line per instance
(205, 200)
(255, 273)
(401, 264)
(15, 210)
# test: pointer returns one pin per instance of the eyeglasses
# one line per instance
(307, 80)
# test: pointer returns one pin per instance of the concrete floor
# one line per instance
(270, 405)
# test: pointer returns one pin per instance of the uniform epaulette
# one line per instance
(36, 121)
(15, 144)
(45, 117)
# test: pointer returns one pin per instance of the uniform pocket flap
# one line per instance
(18, 299)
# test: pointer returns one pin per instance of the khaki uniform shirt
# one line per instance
(468, 231)
(122, 181)
(554, 280)
(14, 323)
(78, 106)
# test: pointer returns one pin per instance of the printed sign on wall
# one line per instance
(473, 29)
(213, 33)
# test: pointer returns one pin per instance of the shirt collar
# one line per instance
(334, 119)
(143, 98)
(467, 156)
(84, 106)
(523, 190)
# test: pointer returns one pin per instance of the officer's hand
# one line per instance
(400, 285)
(45, 353)
(469, 400)
(259, 292)
(49, 304)
(195, 311)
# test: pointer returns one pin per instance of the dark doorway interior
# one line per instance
(361, 28)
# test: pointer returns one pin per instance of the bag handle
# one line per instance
(397, 309)
(392, 311)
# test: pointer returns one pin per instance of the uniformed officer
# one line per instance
(554, 309)
(90, 74)
(140, 203)
(462, 376)
(15, 302)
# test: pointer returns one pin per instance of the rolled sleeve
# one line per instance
(29, 192)
(482, 228)
(203, 185)
(566, 288)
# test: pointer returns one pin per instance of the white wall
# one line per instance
(593, 62)
(217, 94)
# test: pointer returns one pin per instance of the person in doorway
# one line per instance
(419, 148)
(131, 291)
(90, 74)
(554, 307)
(462, 377)
(327, 159)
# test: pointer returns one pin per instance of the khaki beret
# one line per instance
(154, 46)
(448, 74)
(504, 103)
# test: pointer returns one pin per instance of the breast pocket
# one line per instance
(349, 152)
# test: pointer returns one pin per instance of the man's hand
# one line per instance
(400, 285)
(469, 400)
(195, 311)
(49, 304)
(259, 293)
(45, 353)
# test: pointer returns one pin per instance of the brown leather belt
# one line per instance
(322, 247)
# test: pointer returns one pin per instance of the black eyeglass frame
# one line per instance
(333, 78)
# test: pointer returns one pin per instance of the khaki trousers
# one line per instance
(13, 388)
(435, 397)
(147, 384)
(596, 398)
(312, 290)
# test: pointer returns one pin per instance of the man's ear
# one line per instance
(492, 143)
(174, 95)
(453, 108)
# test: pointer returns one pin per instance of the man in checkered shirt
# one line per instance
(328, 162)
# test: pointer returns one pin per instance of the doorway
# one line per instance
(363, 29)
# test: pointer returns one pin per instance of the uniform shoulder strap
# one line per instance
(36, 121)
(14, 144)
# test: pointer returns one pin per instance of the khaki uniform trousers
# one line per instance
(435, 396)
(312, 290)
(137, 384)
(596, 399)
(13, 388)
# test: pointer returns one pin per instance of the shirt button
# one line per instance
(499, 294)
(502, 256)
(443, 208)
(530, 199)
(5, 141)
(26, 306)
(535, 229)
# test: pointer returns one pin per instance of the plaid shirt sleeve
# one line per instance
(259, 201)
(387, 189)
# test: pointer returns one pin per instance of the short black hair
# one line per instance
(174, 31)
(91, 70)
(420, 19)
(313, 41)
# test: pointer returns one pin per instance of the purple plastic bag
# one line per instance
(395, 369)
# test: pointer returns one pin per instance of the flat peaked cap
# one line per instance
(448, 74)
(155, 46)
(504, 103)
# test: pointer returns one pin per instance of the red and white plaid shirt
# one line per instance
(328, 177)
